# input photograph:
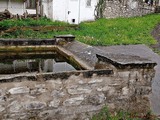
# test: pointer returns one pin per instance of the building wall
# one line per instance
(87, 12)
(3, 5)
(15, 7)
(47, 8)
(60, 10)
(67, 10)
(31, 11)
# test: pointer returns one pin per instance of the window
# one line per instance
(31, 4)
(88, 3)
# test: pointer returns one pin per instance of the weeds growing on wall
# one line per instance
(105, 114)
(118, 31)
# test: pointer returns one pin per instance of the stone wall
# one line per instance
(74, 95)
(126, 8)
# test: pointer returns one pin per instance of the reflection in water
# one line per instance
(34, 63)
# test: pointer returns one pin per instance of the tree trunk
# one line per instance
(37, 9)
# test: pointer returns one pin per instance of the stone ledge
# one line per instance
(53, 76)
(125, 61)
(25, 42)
(34, 42)
(68, 38)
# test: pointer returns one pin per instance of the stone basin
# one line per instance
(120, 82)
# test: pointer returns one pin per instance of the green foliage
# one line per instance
(118, 31)
(105, 114)
(102, 115)
(156, 50)
(6, 24)
(135, 30)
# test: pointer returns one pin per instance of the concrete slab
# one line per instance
(145, 52)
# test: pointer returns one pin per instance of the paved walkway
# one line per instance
(156, 34)
(146, 52)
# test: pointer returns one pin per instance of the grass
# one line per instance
(29, 22)
(104, 114)
(118, 31)
(156, 50)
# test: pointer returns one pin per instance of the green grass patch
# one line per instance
(118, 31)
(105, 114)
(6, 24)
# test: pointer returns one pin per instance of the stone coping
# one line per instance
(52, 76)
(64, 36)
(25, 39)
(123, 61)
(25, 42)
(92, 55)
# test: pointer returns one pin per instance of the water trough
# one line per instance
(64, 79)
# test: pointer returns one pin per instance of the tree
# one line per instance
(37, 8)
(99, 9)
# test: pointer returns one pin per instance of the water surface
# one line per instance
(12, 63)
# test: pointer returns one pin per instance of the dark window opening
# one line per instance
(88, 3)
(73, 20)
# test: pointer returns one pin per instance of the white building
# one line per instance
(14, 6)
(72, 11)
(18, 6)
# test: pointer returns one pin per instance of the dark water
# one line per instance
(11, 63)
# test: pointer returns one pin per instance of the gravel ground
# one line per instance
(146, 52)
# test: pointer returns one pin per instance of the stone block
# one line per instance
(57, 94)
(56, 84)
(135, 75)
(81, 82)
(38, 89)
(125, 91)
(3, 99)
(2, 92)
(54, 103)
(96, 80)
(2, 108)
(40, 85)
(112, 92)
(15, 106)
(105, 88)
(124, 74)
(95, 99)
(74, 101)
(79, 90)
(19, 90)
(34, 105)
